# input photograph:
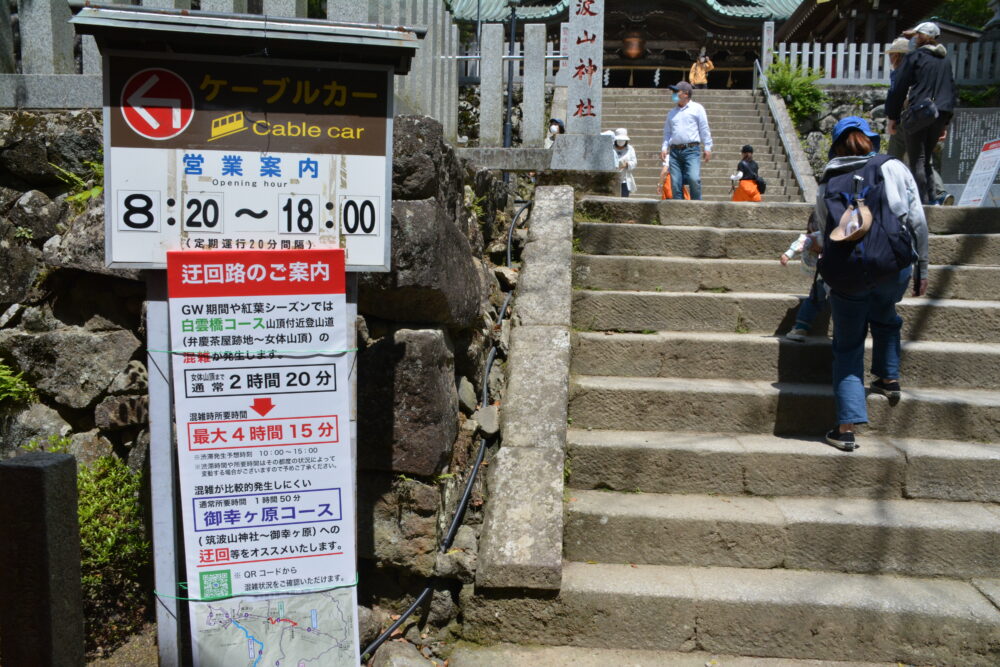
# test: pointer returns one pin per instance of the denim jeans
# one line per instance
(852, 315)
(685, 169)
(811, 305)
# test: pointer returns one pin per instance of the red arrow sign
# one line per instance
(262, 406)
(157, 103)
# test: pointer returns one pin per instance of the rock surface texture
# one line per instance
(705, 513)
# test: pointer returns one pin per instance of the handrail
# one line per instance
(760, 80)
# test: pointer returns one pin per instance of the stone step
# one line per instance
(684, 274)
(921, 538)
(956, 320)
(720, 356)
(647, 125)
(782, 408)
(471, 655)
(722, 242)
(742, 611)
(718, 179)
(770, 466)
(650, 160)
(940, 219)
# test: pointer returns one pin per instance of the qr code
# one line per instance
(216, 584)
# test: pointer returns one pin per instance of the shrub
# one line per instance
(115, 555)
(798, 87)
(14, 389)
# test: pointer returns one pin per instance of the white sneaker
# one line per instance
(797, 334)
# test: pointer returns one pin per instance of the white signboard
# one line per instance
(227, 154)
(983, 174)
(262, 407)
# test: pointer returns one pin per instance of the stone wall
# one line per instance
(76, 331)
(865, 101)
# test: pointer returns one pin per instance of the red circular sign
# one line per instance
(157, 103)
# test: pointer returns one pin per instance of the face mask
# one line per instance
(676, 97)
(553, 129)
(620, 144)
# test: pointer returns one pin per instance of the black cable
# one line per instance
(463, 504)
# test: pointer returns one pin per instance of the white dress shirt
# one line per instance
(686, 125)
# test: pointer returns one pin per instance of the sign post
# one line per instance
(259, 356)
(984, 172)
(258, 179)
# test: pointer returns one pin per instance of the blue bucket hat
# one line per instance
(857, 123)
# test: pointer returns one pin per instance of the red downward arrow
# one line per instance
(262, 406)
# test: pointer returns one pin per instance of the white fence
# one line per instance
(851, 64)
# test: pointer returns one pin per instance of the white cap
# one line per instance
(899, 45)
(928, 28)
(608, 133)
(621, 134)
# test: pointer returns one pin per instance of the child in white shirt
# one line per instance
(810, 245)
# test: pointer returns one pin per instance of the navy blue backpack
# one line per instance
(850, 266)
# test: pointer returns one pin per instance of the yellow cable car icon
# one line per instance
(227, 125)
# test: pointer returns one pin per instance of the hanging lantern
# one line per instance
(634, 45)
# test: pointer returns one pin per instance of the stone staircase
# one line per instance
(735, 117)
(704, 513)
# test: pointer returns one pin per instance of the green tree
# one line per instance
(973, 13)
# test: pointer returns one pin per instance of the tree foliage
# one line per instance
(798, 87)
(973, 13)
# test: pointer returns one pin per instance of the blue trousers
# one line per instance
(811, 305)
(853, 314)
(685, 169)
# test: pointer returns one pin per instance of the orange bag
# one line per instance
(746, 191)
(668, 192)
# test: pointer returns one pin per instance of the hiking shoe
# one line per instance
(798, 334)
(948, 200)
(888, 389)
(842, 441)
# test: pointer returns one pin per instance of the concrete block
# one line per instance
(507, 159)
(294, 8)
(240, 7)
(346, 11)
(50, 91)
(534, 413)
(521, 540)
(583, 152)
(642, 607)
(952, 470)
(674, 529)
(168, 4)
(911, 537)
(491, 85)
(41, 622)
(655, 462)
(533, 120)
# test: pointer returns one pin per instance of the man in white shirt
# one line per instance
(686, 138)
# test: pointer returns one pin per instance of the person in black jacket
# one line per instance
(925, 74)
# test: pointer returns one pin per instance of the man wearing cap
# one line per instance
(925, 85)
(687, 139)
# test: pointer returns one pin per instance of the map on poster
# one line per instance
(288, 631)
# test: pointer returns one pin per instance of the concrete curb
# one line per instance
(521, 543)
(796, 155)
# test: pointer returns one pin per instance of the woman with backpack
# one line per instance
(875, 240)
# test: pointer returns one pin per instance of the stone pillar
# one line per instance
(6, 40)
(47, 38)
(586, 66)
(167, 4)
(346, 11)
(422, 65)
(533, 88)
(225, 6)
(491, 86)
(41, 618)
(453, 83)
(767, 45)
(441, 63)
(296, 8)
